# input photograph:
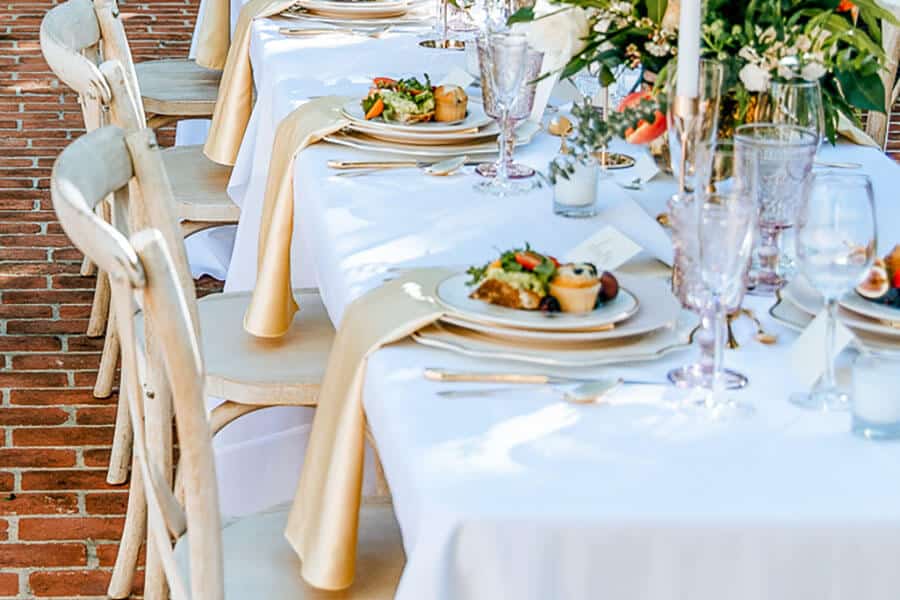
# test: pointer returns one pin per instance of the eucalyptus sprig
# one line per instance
(591, 133)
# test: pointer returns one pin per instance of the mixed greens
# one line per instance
(403, 100)
(530, 269)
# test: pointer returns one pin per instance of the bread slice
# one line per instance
(504, 294)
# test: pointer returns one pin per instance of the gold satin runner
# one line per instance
(322, 525)
(272, 305)
(235, 101)
(214, 34)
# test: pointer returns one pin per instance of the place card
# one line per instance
(457, 76)
(807, 355)
(609, 249)
(644, 168)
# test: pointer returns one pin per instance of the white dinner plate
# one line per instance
(475, 119)
(524, 135)
(882, 312)
(801, 293)
(658, 308)
(454, 292)
(426, 138)
(373, 9)
(564, 354)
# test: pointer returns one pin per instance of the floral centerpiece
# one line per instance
(837, 42)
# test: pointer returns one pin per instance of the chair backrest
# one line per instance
(103, 163)
(75, 37)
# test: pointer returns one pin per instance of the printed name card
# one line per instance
(808, 351)
(609, 249)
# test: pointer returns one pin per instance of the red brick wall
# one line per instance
(59, 521)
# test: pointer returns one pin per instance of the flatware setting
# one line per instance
(439, 168)
(303, 31)
(827, 164)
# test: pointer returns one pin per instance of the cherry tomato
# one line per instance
(528, 260)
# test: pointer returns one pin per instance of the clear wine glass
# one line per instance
(687, 283)
(797, 103)
(505, 66)
(725, 242)
(773, 162)
(836, 242)
(520, 111)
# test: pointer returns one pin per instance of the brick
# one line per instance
(112, 503)
(66, 584)
(61, 528)
(39, 504)
(14, 555)
(65, 479)
(9, 584)
(11, 415)
(62, 436)
(36, 458)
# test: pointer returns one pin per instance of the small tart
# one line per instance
(450, 103)
(576, 287)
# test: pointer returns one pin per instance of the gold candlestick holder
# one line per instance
(685, 116)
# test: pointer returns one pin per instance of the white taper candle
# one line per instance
(689, 49)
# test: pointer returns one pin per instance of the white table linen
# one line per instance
(524, 496)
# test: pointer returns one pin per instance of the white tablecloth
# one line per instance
(524, 496)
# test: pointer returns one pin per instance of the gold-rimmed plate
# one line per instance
(802, 294)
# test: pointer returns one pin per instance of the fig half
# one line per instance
(876, 285)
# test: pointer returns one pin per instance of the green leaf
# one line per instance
(656, 9)
(862, 91)
(523, 15)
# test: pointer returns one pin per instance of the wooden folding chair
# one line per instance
(79, 32)
(249, 558)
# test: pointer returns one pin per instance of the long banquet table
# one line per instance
(526, 496)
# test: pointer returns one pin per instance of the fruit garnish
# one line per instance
(643, 132)
(550, 304)
(609, 287)
(876, 284)
(896, 282)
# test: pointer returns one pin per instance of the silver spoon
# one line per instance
(438, 169)
(584, 393)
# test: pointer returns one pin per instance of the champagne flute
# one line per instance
(505, 68)
(725, 240)
(836, 241)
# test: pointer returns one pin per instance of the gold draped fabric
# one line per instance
(235, 100)
(272, 305)
(322, 525)
(214, 34)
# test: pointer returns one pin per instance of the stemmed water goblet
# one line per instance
(520, 110)
(725, 231)
(773, 163)
(685, 212)
(505, 65)
(836, 241)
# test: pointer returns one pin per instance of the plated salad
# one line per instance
(524, 279)
(412, 101)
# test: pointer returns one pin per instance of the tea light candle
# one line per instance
(580, 189)
(875, 384)
(688, 82)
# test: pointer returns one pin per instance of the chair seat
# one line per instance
(259, 562)
(199, 186)
(262, 371)
(178, 87)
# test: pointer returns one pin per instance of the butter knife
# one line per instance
(345, 165)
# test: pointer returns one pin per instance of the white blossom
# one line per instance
(755, 78)
(562, 34)
(813, 71)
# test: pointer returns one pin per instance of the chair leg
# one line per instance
(133, 535)
(99, 306)
(106, 374)
(123, 435)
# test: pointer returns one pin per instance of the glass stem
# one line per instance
(718, 344)
(508, 131)
(828, 380)
(706, 340)
(503, 164)
(445, 12)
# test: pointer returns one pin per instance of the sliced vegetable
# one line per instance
(384, 82)
(529, 260)
(376, 110)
